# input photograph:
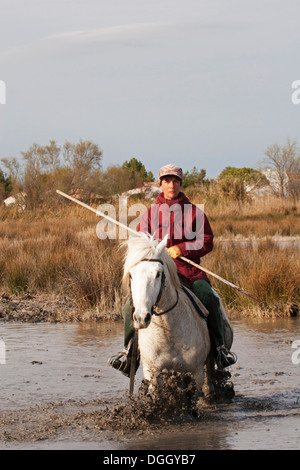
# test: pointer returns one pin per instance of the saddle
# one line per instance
(186, 288)
(189, 293)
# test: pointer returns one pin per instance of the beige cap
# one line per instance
(170, 170)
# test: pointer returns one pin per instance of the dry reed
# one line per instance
(61, 257)
(267, 269)
(60, 254)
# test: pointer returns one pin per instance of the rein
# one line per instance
(162, 285)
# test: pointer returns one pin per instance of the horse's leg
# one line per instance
(199, 379)
(208, 386)
(150, 378)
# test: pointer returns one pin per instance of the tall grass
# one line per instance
(257, 226)
(217, 205)
(61, 257)
(267, 270)
(59, 253)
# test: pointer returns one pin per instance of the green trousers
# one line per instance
(128, 323)
(202, 289)
(206, 295)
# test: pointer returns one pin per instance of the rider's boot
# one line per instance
(122, 361)
(224, 358)
(206, 295)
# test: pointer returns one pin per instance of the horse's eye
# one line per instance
(158, 274)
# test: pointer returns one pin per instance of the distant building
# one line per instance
(16, 200)
(271, 186)
(147, 191)
(275, 181)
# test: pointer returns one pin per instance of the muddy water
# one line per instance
(57, 391)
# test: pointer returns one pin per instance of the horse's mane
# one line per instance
(146, 247)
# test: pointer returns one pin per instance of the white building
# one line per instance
(275, 181)
(17, 200)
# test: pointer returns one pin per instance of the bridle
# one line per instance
(162, 286)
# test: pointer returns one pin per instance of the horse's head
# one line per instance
(147, 280)
(152, 275)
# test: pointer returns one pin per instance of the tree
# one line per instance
(285, 160)
(13, 166)
(84, 160)
(5, 185)
(73, 166)
(51, 156)
(33, 183)
(194, 177)
(115, 180)
(236, 183)
(248, 175)
(138, 172)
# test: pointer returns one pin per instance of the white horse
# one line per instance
(171, 333)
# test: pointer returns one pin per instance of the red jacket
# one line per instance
(187, 227)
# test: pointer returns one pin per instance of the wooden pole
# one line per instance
(218, 277)
(97, 212)
(133, 361)
(137, 235)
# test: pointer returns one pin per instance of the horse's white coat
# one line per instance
(178, 340)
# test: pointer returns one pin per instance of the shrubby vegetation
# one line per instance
(59, 254)
(77, 168)
(73, 168)
(52, 247)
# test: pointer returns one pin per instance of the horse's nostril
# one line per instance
(142, 321)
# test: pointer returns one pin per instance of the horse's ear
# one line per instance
(162, 245)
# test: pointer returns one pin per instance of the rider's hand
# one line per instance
(174, 251)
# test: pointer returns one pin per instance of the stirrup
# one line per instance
(225, 358)
(120, 362)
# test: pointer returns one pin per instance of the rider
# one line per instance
(191, 238)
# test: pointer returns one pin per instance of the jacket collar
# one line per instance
(181, 200)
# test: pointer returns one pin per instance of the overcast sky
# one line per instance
(203, 83)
